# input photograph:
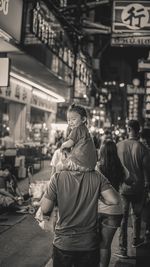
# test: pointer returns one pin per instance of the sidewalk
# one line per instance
(42, 175)
(22, 242)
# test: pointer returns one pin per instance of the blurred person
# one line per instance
(10, 152)
(135, 157)
(96, 139)
(10, 195)
(107, 135)
(145, 139)
(82, 155)
(56, 157)
(6, 141)
(76, 194)
(110, 217)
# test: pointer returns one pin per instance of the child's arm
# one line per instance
(68, 144)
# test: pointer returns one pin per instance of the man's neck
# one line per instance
(133, 136)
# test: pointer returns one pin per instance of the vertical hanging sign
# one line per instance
(147, 95)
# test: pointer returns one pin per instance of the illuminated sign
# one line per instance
(147, 95)
(17, 91)
(131, 89)
(11, 17)
(4, 73)
(131, 23)
(144, 65)
(135, 40)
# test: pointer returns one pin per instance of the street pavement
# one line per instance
(42, 241)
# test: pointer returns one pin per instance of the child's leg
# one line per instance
(70, 165)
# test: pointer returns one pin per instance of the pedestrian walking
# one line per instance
(110, 217)
(145, 139)
(9, 148)
(76, 241)
(135, 157)
(56, 157)
(10, 195)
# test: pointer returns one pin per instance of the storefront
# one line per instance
(43, 92)
(14, 99)
(42, 71)
(29, 103)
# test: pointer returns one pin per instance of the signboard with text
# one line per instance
(147, 95)
(11, 17)
(143, 65)
(4, 71)
(16, 91)
(131, 23)
(131, 89)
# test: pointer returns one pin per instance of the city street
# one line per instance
(69, 71)
(25, 244)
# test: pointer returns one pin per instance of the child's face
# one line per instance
(74, 119)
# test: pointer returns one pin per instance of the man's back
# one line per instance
(133, 154)
(77, 198)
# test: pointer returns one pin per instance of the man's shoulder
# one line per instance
(122, 142)
(78, 174)
(128, 141)
(137, 147)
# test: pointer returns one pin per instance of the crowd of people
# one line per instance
(94, 191)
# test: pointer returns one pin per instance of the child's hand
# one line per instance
(59, 167)
(62, 147)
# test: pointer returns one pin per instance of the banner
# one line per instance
(11, 17)
(131, 23)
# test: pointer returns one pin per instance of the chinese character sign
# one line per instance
(131, 17)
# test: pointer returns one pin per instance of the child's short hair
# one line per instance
(78, 109)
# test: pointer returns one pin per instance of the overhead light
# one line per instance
(5, 36)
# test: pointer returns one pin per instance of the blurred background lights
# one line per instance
(121, 85)
(101, 131)
(136, 82)
(117, 132)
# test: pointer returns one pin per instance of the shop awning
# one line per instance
(6, 47)
(36, 74)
